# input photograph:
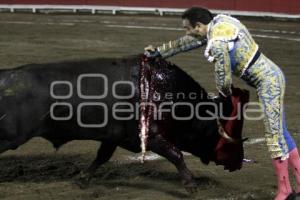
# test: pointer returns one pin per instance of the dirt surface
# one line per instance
(36, 171)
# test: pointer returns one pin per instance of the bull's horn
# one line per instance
(223, 134)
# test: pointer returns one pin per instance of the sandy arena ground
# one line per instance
(35, 171)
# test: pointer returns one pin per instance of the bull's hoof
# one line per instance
(191, 188)
(82, 180)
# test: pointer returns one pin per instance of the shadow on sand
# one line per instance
(51, 168)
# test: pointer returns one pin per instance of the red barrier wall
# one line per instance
(278, 6)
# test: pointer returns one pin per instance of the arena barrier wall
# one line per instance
(276, 8)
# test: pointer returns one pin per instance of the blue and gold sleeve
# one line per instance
(182, 44)
(219, 51)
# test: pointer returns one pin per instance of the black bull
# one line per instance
(85, 100)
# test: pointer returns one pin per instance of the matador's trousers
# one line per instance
(269, 81)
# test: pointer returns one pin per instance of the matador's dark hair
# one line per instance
(197, 14)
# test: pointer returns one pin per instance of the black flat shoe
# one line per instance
(293, 196)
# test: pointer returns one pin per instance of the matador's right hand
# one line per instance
(151, 52)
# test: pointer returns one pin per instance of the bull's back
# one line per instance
(70, 100)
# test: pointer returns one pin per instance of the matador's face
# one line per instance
(199, 30)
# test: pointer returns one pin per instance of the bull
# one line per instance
(105, 99)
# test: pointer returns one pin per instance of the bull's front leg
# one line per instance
(162, 147)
